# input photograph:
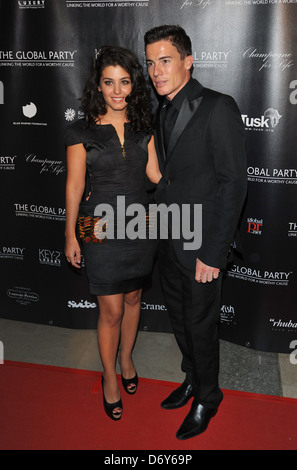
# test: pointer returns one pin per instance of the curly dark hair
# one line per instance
(139, 102)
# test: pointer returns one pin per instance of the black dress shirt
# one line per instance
(172, 109)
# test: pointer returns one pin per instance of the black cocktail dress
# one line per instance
(118, 255)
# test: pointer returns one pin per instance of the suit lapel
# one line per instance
(187, 111)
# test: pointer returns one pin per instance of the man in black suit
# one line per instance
(201, 150)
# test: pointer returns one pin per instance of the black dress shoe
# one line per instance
(196, 421)
(179, 397)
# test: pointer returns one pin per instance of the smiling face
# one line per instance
(167, 70)
(115, 85)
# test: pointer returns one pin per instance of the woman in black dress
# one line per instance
(109, 154)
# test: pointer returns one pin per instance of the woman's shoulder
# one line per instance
(141, 137)
(75, 132)
(78, 124)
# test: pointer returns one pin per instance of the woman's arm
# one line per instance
(75, 185)
(152, 168)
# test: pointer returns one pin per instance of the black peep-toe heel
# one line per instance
(130, 385)
(110, 408)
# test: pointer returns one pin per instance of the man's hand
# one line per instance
(205, 273)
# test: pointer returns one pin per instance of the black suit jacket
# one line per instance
(205, 164)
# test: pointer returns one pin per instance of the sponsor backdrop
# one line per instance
(245, 48)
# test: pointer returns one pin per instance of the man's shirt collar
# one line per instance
(181, 95)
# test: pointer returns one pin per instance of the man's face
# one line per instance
(168, 72)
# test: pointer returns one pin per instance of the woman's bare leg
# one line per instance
(129, 330)
(109, 331)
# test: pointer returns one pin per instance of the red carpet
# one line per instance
(55, 408)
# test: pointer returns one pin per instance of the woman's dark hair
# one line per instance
(139, 102)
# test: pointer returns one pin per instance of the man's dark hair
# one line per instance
(173, 33)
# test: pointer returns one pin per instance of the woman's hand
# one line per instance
(73, 252)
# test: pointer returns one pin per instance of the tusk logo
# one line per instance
(273, 116)
(268, 121)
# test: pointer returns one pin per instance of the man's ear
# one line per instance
(189, 61)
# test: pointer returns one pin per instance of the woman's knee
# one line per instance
(133, 298)
(110, 311)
